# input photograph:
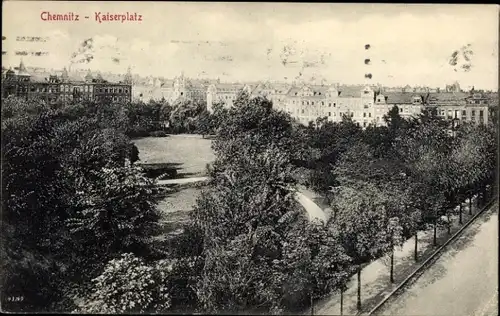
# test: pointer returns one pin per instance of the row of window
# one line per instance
(66, 88)
(113, 90)
(464, 113)
(478, 102)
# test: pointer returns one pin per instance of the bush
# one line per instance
(129, 285)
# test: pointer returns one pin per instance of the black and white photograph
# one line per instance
(250, 158)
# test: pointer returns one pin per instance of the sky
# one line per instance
(409, 44)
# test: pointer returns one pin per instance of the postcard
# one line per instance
(250, 158)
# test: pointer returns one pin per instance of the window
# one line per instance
(322, 103)
(464, 113)
(366, 106)
(333, 104)
(33, 89)
(364, 114)
(302, 111)
(312, 102)
(329, 113)
(481, 112)
(473, 113)
(400, 110)
(364, 124)
(86, 88)
(369, 115)
(352, 114)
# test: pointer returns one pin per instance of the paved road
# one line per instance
(181, 181)
(463, 281)
(314, 211)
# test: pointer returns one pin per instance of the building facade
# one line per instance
(225, 93)
(63, 88)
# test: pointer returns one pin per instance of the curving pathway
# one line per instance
(313, 210)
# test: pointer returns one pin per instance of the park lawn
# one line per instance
(175, 208)
(190, 152)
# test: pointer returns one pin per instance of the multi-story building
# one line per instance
(180, 88)
(365, 105)
(469, 107)
(308, 102)
(408, 104)
(63, 88)
(225, 93)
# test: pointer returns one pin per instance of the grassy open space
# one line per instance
(190, 152)
(175, 208)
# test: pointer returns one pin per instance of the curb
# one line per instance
(431, 257)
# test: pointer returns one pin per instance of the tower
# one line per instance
(211, 96)
(23, 74)
(128, 76)
(88, 76)
(64, 75)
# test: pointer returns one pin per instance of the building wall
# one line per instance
(61, 90)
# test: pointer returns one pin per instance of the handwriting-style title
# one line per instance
(99, 17)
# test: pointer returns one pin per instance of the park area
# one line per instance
(190, 154)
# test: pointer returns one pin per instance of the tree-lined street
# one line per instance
(463, 281)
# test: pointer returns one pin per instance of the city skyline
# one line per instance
(284, 42)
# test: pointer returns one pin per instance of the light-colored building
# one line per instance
(365, 105)
(225, 93)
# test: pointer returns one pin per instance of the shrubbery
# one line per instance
(78, 221)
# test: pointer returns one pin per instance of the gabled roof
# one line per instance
(229, 86)
(350, 91)
(448, 96)
(39, 78)
(402, 97)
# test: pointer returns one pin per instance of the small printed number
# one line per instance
(15, 298)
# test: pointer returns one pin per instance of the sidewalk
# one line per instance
(375, 282)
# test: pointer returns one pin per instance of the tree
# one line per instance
(203, 123)
(258, 252)
(60, 167)
(363, 225)
(328, 142)
(368, 206)
(425, 150)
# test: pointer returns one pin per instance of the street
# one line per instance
(463, 281)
